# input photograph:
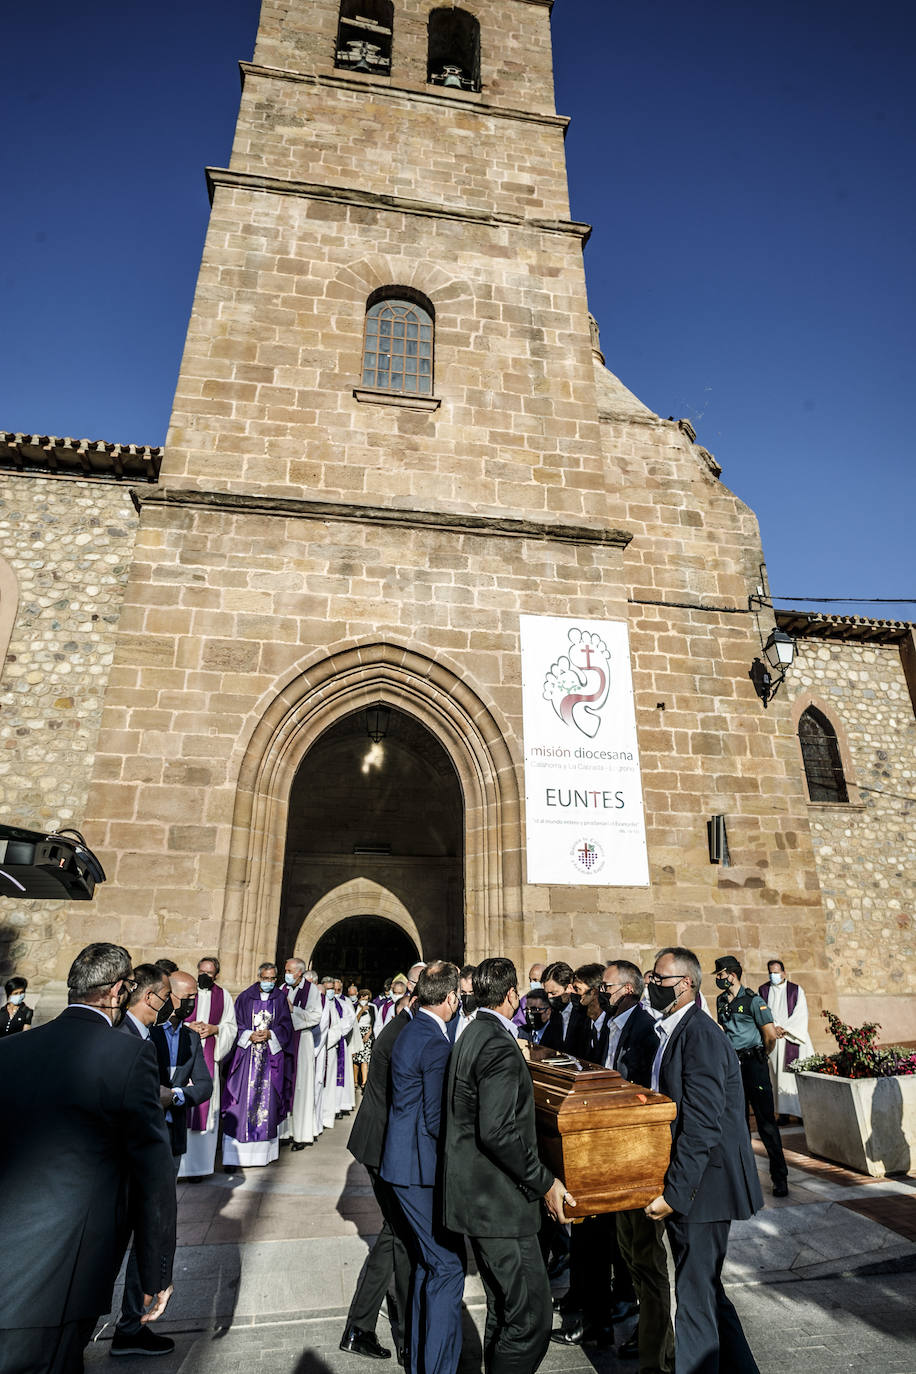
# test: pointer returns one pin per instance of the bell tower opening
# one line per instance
(374, 848)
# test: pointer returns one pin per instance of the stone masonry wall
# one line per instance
(866, 849)
(707, 746)
(69, 544)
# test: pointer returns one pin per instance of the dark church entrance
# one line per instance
(367, 949)
(376, 805)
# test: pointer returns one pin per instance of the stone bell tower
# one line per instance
(392, 436)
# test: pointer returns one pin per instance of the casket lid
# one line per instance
(565, 1087)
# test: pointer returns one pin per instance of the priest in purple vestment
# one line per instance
(257, 1090)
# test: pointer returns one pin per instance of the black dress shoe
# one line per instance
(571, 1335)
(358, 1342)
(622, 1310)
(780, 1190)
(299, 1144)
(580, 1334)
(630, 1349)
(142, 1342)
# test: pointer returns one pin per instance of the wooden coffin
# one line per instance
(607, 1139)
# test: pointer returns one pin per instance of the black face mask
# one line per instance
(164, 1012)
(723, 983)
(535, 1019)
(204, 982)
(604, 1002)
(184, 1009)
(661, 996)
(559, 1002)
(468, 1003)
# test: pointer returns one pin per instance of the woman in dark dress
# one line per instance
(15, 1016)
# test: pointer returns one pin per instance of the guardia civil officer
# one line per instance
(748, 1023)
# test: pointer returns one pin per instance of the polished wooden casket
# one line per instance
(607, 1139)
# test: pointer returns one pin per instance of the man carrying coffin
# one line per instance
(306, 1010)
(256, 1091)
(212, 1017)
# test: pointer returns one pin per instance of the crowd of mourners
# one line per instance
(445, 1128)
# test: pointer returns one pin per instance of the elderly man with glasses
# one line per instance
(711, 1179)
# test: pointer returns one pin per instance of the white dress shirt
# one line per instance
(510, 1026)
(663, 1030)
(425, 1011)
(617, 1025)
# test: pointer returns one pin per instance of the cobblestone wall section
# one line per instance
(871, 901)
(69, 544)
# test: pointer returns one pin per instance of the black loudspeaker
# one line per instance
(718, 841)
(58, 867)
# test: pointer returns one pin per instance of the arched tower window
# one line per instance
(454, 50)
(821, 755)
(364, 36)
(398, 351)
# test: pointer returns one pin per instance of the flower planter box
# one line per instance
(868, 1124)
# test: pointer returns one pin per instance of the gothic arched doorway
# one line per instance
(367, 949)
(382, 817)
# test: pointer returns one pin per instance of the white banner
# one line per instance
(585, 823)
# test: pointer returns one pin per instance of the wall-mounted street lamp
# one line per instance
(769, 672)
(378, 718)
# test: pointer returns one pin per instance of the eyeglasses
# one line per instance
(609, 987)
(663, 977)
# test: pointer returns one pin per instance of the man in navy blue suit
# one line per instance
(410, 1164)
(711, 1180)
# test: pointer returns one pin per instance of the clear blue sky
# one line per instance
(749, 170)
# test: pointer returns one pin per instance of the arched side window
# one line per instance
(454, 50)
(821, 756)
(398, 350)
(9, 604)
(364, 35)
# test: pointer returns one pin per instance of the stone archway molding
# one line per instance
(358, 897)
(312, 701)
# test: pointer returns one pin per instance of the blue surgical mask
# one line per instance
(289, 979)
(17, 998)
(268, 984)
(776, 978)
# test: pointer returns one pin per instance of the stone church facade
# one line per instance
(200, 634)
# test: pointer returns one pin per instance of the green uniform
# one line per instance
(742, 1018)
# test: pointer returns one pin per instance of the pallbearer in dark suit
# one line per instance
(388, 1255)
(184, 1081)
(631, 1050)
(89, 1159)
(493, 1178)
(410, 1163)
(711, 1179)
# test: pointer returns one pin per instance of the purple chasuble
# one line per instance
(792, 1051)
(197, 1116)
(255, 1093)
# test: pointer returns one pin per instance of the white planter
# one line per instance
(868, 1124)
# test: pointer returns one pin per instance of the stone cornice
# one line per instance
(47, 455)
(465, 100)
(347, 195)
(295, 508)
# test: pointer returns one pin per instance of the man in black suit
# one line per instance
(89, 1159)
(410, 1163)
(711, 1179)
(184, 1081)
(589, 1023)
(493, 1178)
(631, 1050)
(566, 1013)
(389, 1254)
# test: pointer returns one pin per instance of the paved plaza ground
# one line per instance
(824, 1280)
